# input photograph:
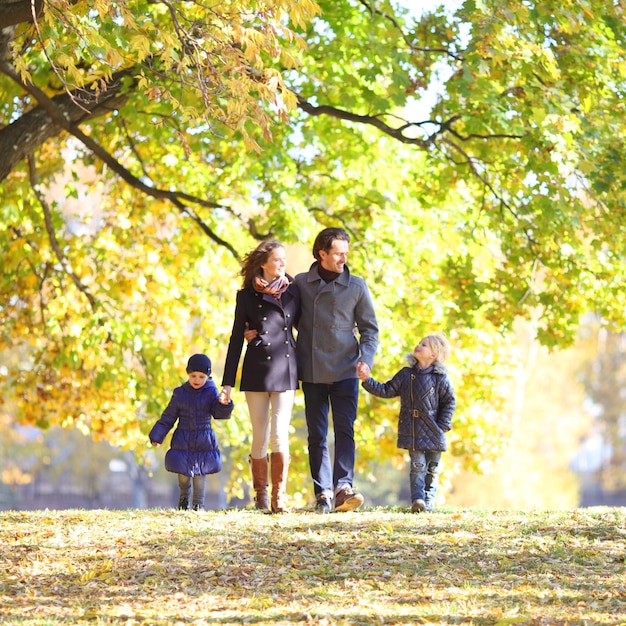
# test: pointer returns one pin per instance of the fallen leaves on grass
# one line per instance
(368, 567)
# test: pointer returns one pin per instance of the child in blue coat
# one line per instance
(427, 404)
(194, 451)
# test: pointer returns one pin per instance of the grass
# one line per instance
(376, 566)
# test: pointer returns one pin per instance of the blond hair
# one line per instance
(439, 345)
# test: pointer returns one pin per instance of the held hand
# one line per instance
(155, 444)
(363, 370)
(225, 394)
(250, 333)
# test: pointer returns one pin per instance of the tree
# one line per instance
(203, 130)
(79, 272)
(604, 374)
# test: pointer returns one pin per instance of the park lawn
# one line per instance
(375, 566)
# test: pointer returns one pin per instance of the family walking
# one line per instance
(332, 313)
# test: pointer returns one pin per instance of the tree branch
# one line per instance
(62, 119)
(14, 12)
(411, 46)
(54, 243)
(175, 197)
(443, 128)
(32, 129)
(488, 185)
(371, 120)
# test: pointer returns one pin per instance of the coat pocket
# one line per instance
(428, 393)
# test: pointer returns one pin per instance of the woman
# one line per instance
(268, 303)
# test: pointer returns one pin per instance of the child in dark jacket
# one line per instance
(427, 404)
(194, 451)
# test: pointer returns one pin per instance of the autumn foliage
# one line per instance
(473, 153)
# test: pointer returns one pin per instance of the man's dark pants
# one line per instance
(342, 399)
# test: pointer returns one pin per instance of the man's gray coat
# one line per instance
(337, 327)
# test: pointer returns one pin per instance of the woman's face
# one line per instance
(275, 265)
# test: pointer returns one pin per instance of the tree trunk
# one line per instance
(31, 130)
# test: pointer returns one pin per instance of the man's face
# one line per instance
(334, 259)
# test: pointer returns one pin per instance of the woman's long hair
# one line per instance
(252, 262)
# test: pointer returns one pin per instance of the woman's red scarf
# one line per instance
(275, 289)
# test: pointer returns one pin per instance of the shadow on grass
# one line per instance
(360, 568)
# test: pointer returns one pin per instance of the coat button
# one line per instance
(286, 342)
(287, 355)
(264, 319)
(260, 306)
(268, 358)
(285, 328)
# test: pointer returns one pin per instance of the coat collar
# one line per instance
(435, 368)
(343, 279)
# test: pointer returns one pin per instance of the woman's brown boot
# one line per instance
(279, 465)
(259, 482)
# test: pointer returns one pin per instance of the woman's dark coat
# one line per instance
(427, 404)
(270, 361)
(194, 450)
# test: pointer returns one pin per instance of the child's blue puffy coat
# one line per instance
(427, 404)
(194, 450)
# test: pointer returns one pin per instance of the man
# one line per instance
(337, 340)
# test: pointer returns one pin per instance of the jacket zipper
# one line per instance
(428, 392)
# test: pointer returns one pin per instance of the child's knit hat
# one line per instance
(199, 363)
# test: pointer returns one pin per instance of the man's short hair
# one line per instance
(325, 238)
